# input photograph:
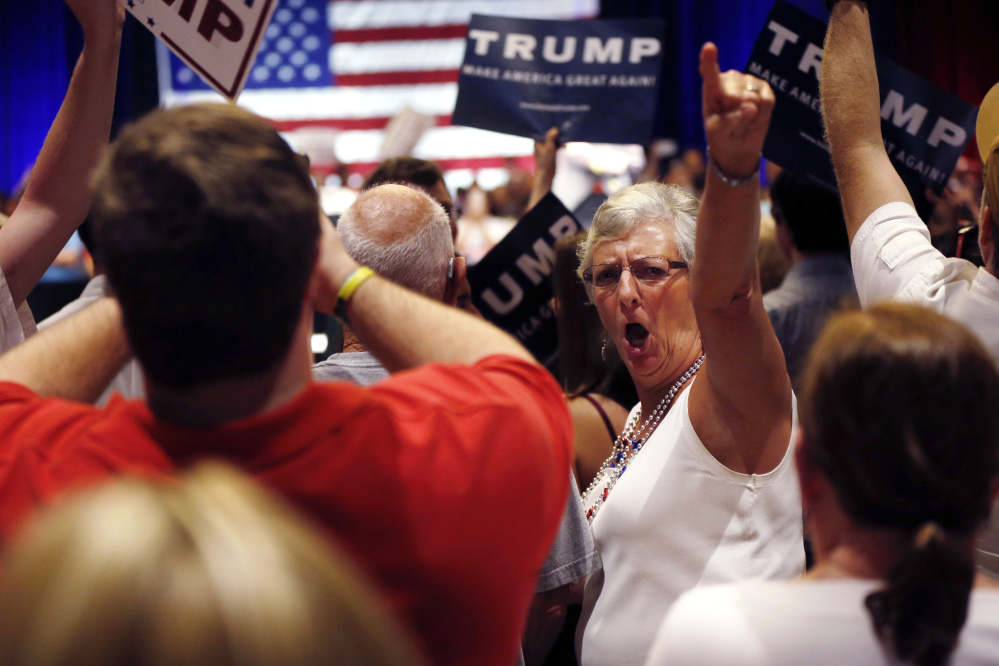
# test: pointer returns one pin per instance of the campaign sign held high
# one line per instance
(925, 129)
(218, 39)
(511, 286)
(593, 80)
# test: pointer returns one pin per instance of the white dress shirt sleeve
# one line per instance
(894, 260)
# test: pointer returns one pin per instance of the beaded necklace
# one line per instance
(630, 442)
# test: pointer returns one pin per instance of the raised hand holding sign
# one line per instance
(97, 18)
(218, 39)
(924, 129)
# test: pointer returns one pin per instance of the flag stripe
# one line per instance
(474, 163)
(336, 102)
(353, 14)
(364, 58)
(345, 123)
(398, 78)
(437, 143)
(456, 141)
(402, 33)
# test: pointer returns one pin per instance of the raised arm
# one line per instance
(851, 108)
(743, 411)
(544, 167)
(57, 197)
(402, 328)
(75, 359)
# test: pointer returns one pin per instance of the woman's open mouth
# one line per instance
(636, 336)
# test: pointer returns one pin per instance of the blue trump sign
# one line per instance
(925, 129)
(511, 285)
(593, 80)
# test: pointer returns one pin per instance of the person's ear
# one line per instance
(454, 281)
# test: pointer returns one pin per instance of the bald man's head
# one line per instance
(403, 235)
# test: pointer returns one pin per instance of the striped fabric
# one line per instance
(344, 68)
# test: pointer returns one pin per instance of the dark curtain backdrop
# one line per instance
(954, 44)
(33, 78)
(40, 41)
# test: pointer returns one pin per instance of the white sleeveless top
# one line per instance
(678, 519)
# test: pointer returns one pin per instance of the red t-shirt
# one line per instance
(447, 483)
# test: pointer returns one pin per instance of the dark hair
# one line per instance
(813, 214)
(409, 170)
(208, 225)
(86, 232)
(580, 333)
(899, 413)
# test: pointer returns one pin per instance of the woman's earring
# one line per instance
(603, 349)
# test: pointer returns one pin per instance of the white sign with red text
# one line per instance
(218, 39)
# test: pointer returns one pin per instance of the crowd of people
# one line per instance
(180, 484)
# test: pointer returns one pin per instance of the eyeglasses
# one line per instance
(650, 270)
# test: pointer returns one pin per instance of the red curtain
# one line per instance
(954, 43)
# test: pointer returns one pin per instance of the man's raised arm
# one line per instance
(851, 108)
(544, 167)
(57, 197)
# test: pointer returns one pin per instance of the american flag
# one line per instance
(344, 69)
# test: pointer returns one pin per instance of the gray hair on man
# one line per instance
(670, 205)
(403, 235)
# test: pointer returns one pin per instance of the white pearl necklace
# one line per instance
(630, 442)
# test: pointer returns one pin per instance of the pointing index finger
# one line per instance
(710, 72)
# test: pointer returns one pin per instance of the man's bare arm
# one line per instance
(76, 359)
(57, 197)
(402, 328)
(851, 108)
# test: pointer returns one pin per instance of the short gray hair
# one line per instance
(418, 261)
(668, 205)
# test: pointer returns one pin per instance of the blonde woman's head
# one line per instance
(211, 570)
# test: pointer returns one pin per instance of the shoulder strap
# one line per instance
(603, 415)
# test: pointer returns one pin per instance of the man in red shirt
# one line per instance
(446, 481)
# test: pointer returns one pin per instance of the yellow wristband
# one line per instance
(347, 289)
(353, 281)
